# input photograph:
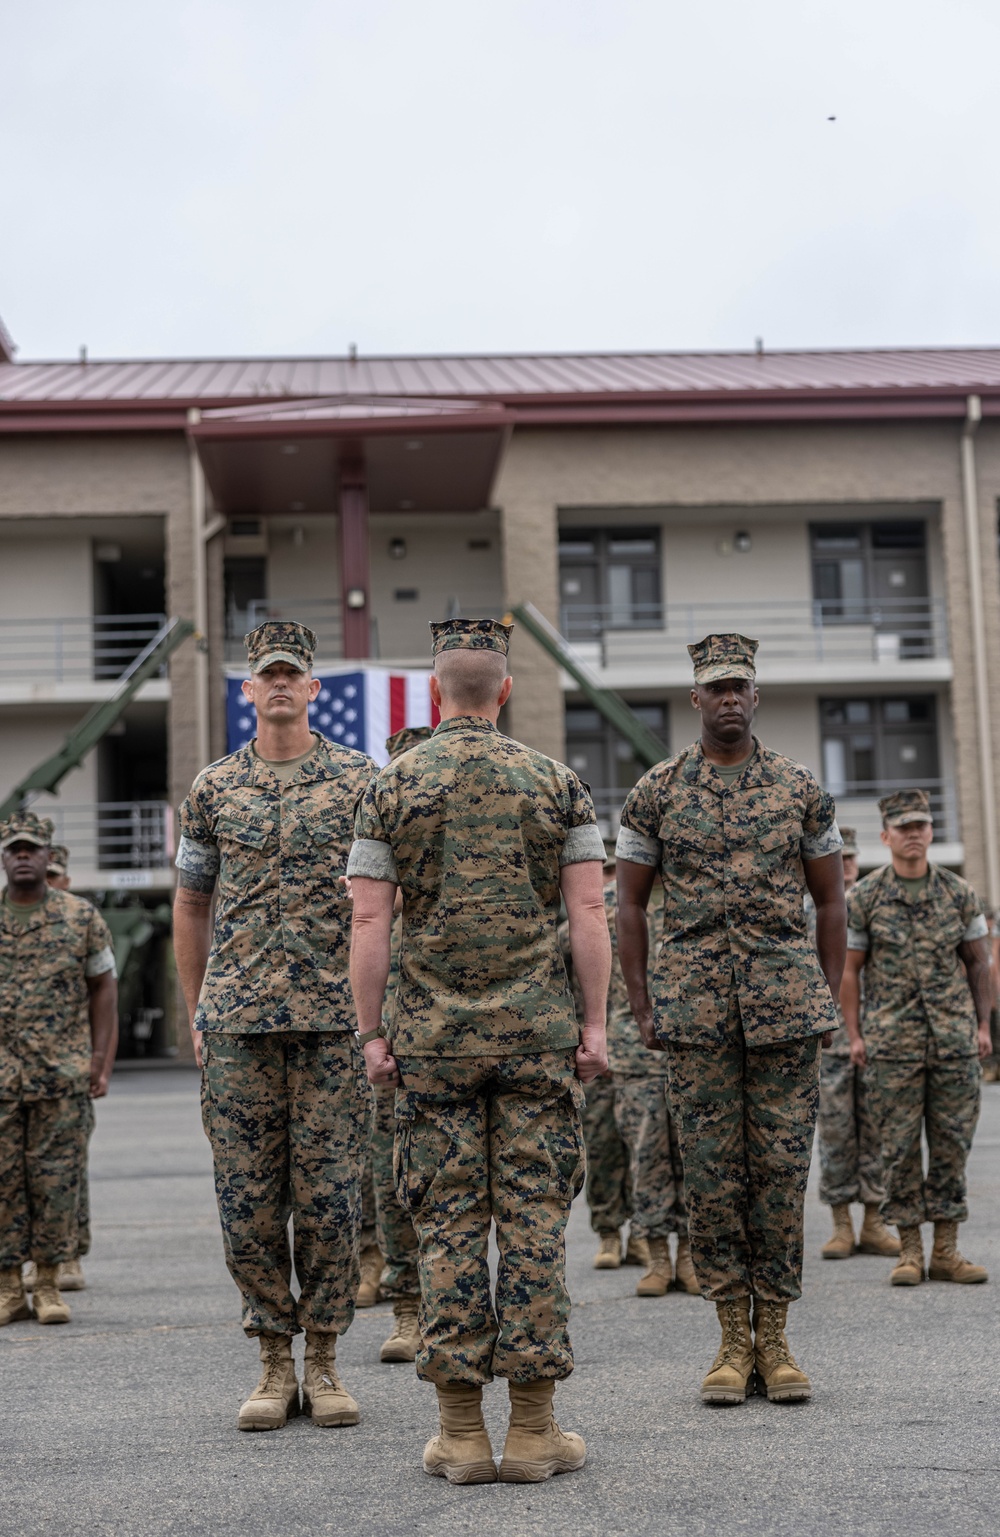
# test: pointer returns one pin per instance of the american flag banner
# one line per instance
(358, 707)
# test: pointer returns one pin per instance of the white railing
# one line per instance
(857, 807)
(324, 616)
(114, 835)
(893, 630)
(73, 650)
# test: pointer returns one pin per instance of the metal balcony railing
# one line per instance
(892, 630)
(857, 806)
(325, 616)
(73, 650)
(114, 835)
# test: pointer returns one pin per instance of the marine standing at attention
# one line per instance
(737, 832)
(58, 1034)
(850, 1153)
(918, 935)
(482, 834)
(285, 1101)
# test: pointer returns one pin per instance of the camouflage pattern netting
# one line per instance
(731, 864)
(42, 1145)
(45, 960)
(279, 958)
(745, 1121)
(944, 1098)
(475, 827)
(288, 1115)
(496, 1136)
(915, 983)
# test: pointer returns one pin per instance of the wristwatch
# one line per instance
(369, 1035)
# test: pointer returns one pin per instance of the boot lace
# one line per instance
(732, 1335)
(272, 1363)
(774, 1339)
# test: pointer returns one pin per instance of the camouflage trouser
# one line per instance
(850, 1153)
(288, 1116)
(942, 1099)
(369, 1219)
(83, 1206)
(481, 1139)
(647, 1128)
(609, 1194)
(745, 1117)
(396, 1236)
(41, 1148)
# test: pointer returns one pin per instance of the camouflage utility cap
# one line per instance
(904, 806)
(470, 635)
(850, 837)
(279, 640)
(26, 827)
(58, 859)
(402, 741)
(723, 656)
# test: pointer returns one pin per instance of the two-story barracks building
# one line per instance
(840, 506)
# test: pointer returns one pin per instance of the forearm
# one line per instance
(831, 942)
(192, 943)
(104, 1022)
(590, 947)
(850, 1003)
(633, 955)
(981, 986)
(370, 957)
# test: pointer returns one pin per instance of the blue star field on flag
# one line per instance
(338, 711)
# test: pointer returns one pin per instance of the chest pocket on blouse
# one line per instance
(244, 848)
(684, 835)
(779, 843)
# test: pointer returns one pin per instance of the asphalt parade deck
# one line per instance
(124, 1422)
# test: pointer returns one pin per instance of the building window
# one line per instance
(609, 579)
(245, 579)
(873, 745)
(856, 566)
(603, 758)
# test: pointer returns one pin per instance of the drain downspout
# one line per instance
(984, 720)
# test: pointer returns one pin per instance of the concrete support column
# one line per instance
(355, 561)
(530, 537)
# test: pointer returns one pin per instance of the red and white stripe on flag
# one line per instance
(394, 700)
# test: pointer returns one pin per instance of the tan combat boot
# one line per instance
(404, 1341)
(71, 1276)
(783, 1379)
(946, 1262)
(609, 1253)
(731, 1379)
(875, 1237)
(636, 1251)
(461, 1450)
(535, 1447)
(275, 1399)
(324, 1396)
(369, 1290)
(841, 1245)
(46, 1303)
(684, 1269)
(909, 1268)
(14, 1305)
(656, 1281)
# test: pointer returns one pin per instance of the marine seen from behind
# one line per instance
(483, 836)
(919, 941)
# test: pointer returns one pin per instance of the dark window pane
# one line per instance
(632, 547)
(836, 536)
(863, 764)
(858, 711)
(577, 547)
(904, 535)
(583, 722)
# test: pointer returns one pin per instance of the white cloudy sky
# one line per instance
(247, 176)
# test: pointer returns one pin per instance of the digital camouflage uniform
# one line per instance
(475, 828)
(739, 1001)
(45, 1054)
(920, 1036)
(609, 1180)
(850, 1152)
(285, 1099)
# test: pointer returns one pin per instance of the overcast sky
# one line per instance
(245, 176)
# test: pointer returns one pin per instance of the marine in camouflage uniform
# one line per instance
(850, 1153)
(58, 1031)
(480, 832)
(917, 934)
(739, 1000)
(285, 1101)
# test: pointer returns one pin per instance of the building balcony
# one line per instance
(857, 807)
(116, 844)
(896, 641)
(66, 661)
(324, 616)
